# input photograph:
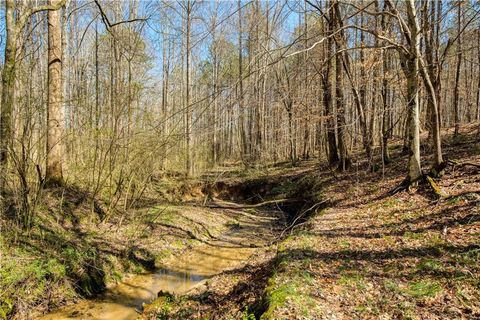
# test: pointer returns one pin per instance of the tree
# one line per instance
(54, 172)
(345, 161)
(14, 24)
(455, 98)
(327, 89)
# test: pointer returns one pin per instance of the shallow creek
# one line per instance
(124, 301)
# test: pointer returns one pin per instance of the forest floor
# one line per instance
(349, 250)
(363, 253)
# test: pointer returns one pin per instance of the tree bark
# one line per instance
(386, 92)
(241, 118)
(456, 93)
(54, 172)
(411, 69)
(8, 85)
(188, 147)
(327, 95)
(345, 161)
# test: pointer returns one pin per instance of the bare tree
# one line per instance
(55, 120)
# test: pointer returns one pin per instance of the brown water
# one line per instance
(124, 301)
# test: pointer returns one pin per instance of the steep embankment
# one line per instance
(77, 248)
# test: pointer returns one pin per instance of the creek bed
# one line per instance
(125, 300)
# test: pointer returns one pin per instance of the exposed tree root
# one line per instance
(424, 179)
(404, 185)
(229, 205)
(428, 178)
(301, 215)
(436, 189)
(462, 164)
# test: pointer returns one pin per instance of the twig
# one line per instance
(301, 215)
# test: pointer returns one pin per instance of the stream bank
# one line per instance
(241, 293)
(182, 273)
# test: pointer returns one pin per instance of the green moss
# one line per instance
(276, 298)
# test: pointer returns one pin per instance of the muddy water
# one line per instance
(124, 301)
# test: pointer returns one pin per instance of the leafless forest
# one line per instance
(109, 105)
(106, 93)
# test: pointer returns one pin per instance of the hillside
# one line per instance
(367, 254)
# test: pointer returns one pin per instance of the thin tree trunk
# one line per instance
(345, 161)
(241, 118)
(188, 148)
(457, 71)
(8, 89)
(411, 69)
(386, 91)
(327, 95)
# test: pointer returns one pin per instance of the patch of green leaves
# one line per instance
(246, 315)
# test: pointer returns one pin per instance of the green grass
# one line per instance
(416, 289)
(423, 289)
(277, 297)
(247, 315)
(344, 244)
(352, 280)
(413, 235)
(28, 280)
(430, 265)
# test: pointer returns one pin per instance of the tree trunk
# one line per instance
(457, 71)
(241, 118)
(430, 72)
(188, 147)
(8, 88)
(327, 96)
(54, 173)
(478, 75)
(411, 69)
(386, 91)
(345, 161)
